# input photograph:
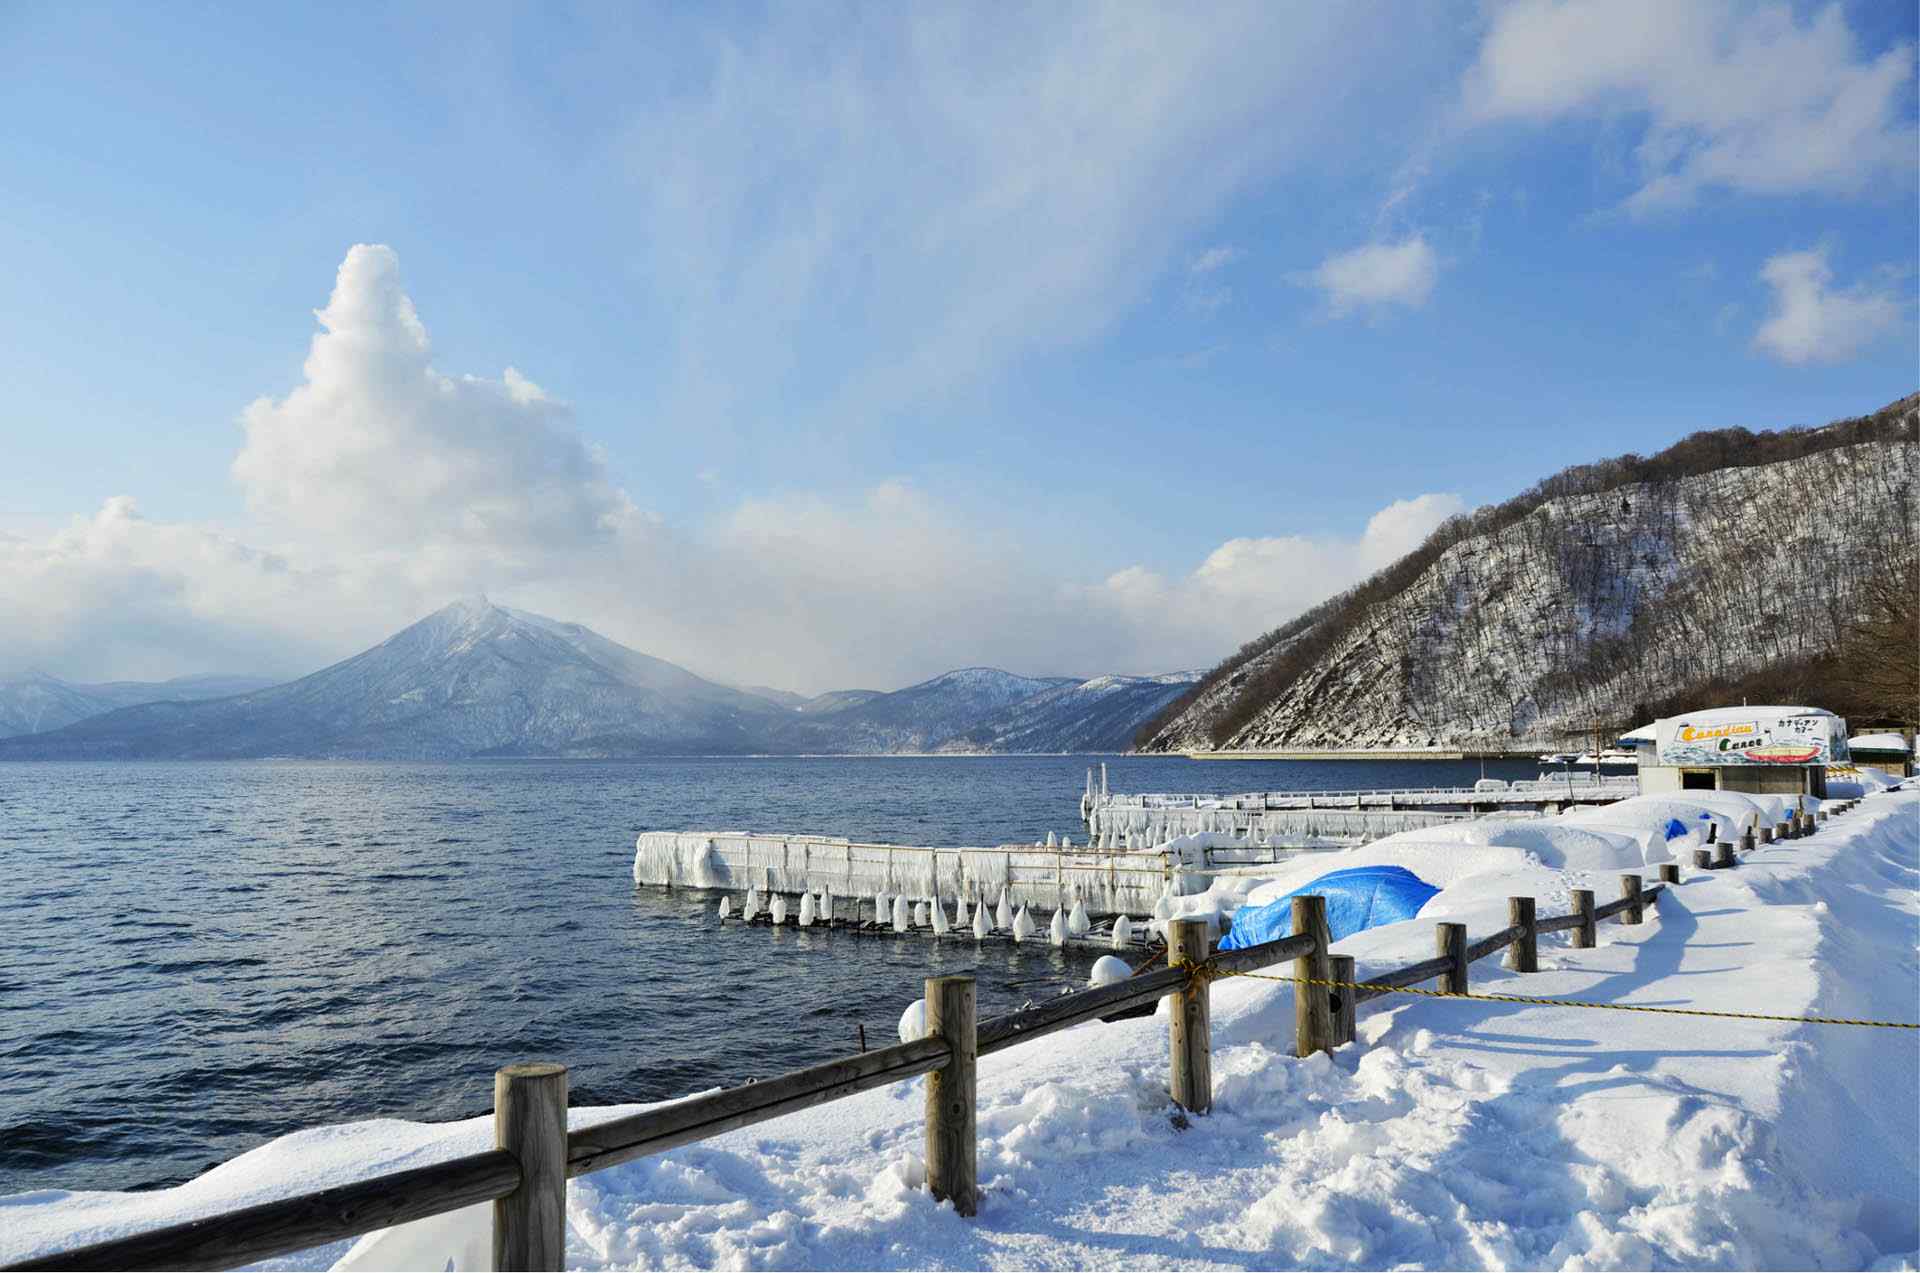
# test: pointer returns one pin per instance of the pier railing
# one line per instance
(525, 1174)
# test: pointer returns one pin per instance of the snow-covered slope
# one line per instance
(917, 718)
(37, 702)
(1534, 629)
(1453, 1134)
(471, 679)
(1098, 715)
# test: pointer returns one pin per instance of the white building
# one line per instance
(1764, 750)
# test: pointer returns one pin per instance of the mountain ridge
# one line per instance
(476, 679)
(1585, 602)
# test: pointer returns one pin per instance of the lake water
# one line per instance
(196, 958)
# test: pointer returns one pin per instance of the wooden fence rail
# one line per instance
(525, 1176)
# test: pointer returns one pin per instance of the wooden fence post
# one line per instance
(1189, 1024)
(1312, 1005)
(530, 1122)
(1783, 831)
(1747, 840)
(1702, 860)
(1524, 954)
(1723, 854)
(1764, 834)
(1636, 910)
(952, 1146)
(1583, 934)
(1343, 1004)
(1669, 873)
(1450, 940)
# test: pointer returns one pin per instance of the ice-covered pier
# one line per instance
(1320, 818)
(1125, 880)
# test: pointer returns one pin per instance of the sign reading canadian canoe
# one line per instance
(1757, 736)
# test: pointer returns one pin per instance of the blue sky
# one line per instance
(874, 340)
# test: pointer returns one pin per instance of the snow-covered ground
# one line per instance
(1453, 1134)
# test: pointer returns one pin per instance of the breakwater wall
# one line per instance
(1120, 824)
(1106, 882)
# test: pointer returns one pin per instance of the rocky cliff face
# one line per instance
(1541, 622)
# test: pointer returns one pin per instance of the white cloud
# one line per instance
(1378, 274)
(1214, 258)
(1735, 95)
(1034, 176)
(1249, 585)
(1811, 321)
(389, 487)
(377, 452)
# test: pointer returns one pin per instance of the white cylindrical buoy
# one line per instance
(806, 910)
(752, 908)
(1108, 971)
(1050, 840)
(1066, 841)
(960, 918)
(980, 926)
(1057, 930)
(920, 916)
(1077, 922)
(826, 906)
(1163, 907)
(882, 909)
(1003, 918)
(939, 918)
(902, 918)
(1122, 933)
(913, 1022)
(726, 907)
(1022, 925)
(779, 909)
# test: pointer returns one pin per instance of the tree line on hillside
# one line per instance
(1612, 556)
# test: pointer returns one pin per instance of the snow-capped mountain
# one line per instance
(1098, 715)
(918, 718)
(1591, 601)
(37, 702)
(469, 680)
(478, 679)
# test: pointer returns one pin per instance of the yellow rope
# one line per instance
(1213, 974)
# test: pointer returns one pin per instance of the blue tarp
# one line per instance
(1358, 898)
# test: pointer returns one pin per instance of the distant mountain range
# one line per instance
(39, 702)
(478, 679)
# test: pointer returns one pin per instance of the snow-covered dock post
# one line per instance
(1450, 943)
(1636, 911)
(1524, 954)
(1343, 999)
(1702, 860)
(1764, 834)
(1783, 831)
(1723, 854)
(1669, 874)
(1190, 1023)
(1312, 1003)
(1583, 933)
(530, 1122)
(952, 1143)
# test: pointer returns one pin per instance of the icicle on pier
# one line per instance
(1054, 876)
(957, 920)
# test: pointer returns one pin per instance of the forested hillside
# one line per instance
(1733, 561)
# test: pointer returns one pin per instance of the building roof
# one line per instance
(1878, 742)
(1727, 715)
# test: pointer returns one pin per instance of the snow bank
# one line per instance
(1454, 1134)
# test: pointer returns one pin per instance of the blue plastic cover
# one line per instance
(1675, 828)
(1358, 898)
